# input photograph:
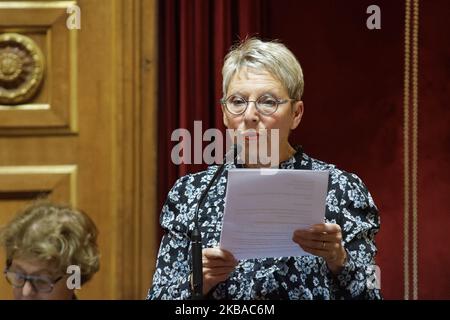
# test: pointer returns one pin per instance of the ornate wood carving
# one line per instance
(21, 68)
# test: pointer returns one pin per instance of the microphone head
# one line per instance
(237, 149)
(233, 153)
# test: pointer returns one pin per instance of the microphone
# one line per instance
(196, 236)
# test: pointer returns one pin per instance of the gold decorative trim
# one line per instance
(406, 153)
(70, 170)
(73, 80)
(410, 138)
(415, 105)
(36, 4)
(37, 106)
(58, 169)
(21, 68)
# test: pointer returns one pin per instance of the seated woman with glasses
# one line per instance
(262, 91)
(41, 242)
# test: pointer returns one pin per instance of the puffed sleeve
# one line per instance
(171, 278)
(358, 217)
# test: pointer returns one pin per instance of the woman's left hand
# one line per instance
(324, 240)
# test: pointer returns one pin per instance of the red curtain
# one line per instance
(433, 166)
(194, 37)
(354, 107)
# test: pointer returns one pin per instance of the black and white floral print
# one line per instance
(348, 203)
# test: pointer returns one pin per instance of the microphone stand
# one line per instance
(196, 236)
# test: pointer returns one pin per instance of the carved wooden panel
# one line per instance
(51, 106)
(110, 105)
(19, 185)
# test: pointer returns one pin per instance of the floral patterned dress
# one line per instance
(348, 204)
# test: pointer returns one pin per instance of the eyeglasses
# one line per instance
(265, 104)
(39, 283)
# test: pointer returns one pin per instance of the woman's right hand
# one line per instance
(217, 266)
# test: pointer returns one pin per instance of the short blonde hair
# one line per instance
(55, 234)
(272, 56)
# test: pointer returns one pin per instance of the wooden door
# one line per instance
(77, 124)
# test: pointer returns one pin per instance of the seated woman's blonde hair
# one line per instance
(56, 234)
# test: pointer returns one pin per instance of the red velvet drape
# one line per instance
(354, 111)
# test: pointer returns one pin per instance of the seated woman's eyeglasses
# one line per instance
(39, 283)
(265, 104)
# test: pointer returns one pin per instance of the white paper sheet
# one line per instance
(263, 210)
